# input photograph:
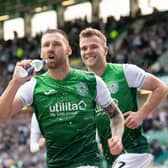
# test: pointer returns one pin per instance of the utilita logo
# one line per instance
(67, 107)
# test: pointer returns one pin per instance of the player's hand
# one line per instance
(20, 71)
(115, 145)
(42, 143)
(133, 119)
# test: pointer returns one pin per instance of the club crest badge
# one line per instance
(82, 89)
(113, 87)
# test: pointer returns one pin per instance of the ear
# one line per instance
(69, 51)
(106, 50)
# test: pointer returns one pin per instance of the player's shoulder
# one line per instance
(131, 67)
(83, 73)
(42, 78)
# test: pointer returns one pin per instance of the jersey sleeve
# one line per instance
(135, 76)
(35, 134)
(103, 97)
(25, 92)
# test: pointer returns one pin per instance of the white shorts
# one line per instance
(87, 167)
(133, 160)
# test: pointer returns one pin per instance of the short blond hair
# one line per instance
(88, 32)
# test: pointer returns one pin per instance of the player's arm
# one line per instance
(116, 118)
(117, 128)
(158, 93)
(138, 78)
(36, 141)
(9, 105)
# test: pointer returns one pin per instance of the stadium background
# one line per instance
(136, 32)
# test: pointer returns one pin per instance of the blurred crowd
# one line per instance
(156, 130)
(139, 41)
(14, 145)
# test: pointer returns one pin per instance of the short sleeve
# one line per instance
(135, 76)
(25, 92)
(103, 97)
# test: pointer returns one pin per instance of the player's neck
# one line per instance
(59, 73)
(98, 70)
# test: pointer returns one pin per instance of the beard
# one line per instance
(52, 65)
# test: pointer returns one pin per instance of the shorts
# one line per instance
(87, 167)
(131, 160)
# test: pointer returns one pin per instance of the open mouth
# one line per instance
(51, 57)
